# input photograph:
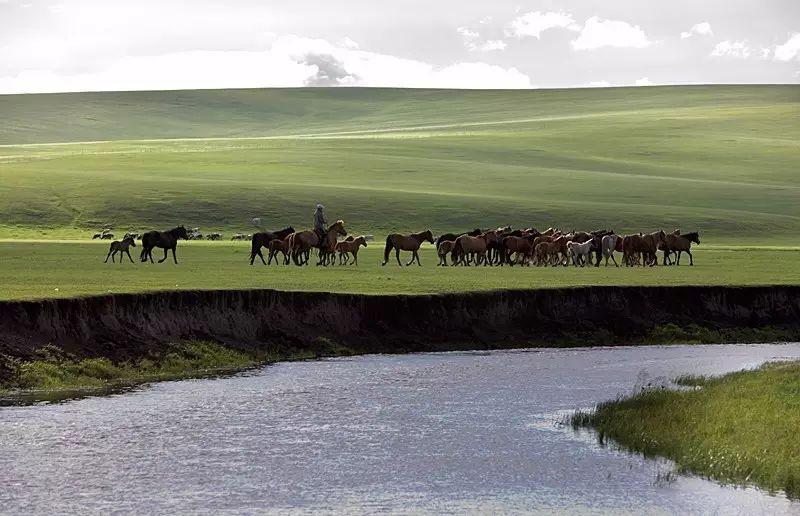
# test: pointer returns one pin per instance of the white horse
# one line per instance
(608, 244)
(578, 252)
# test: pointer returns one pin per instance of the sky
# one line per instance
(105, 45)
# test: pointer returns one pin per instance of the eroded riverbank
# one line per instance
(128, 326)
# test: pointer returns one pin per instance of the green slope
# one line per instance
(721, 159)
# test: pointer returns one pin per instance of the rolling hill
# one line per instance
(721, 159)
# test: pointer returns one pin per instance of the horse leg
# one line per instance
(109, 254)
(129, 255)
(614, 259)
(691, 260)
(397, 256)
(416, 254)
(174, 258)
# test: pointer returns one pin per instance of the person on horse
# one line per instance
(320, 223)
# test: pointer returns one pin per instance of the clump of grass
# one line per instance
(55, 370)
(739, 428)
(695, 334)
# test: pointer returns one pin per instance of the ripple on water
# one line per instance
(423, 433)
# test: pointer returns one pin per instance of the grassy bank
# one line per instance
(739, 428)
(54, 370)
(36, 270)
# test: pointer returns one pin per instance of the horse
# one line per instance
(452, 236)
(350, 247)
(276, 246)
(519, 245)
(262, 240)
(120, 247)
(301, 243)
(580, 252)
(641, 249)
(678, 243)
(410, 242)
(467, 246)
(166, 240)
(547, 253)
(608, 246)
(443, 250)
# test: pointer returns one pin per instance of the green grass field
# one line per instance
(34, 270)
(723, 160)
(739, 428)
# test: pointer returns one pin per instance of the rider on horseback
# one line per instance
(320, 223)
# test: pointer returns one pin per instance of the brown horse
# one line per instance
(467, 247)
(677, 243)
(410, 242)
(349, 247)
(521, 246)
(276, 246)
(302, 242)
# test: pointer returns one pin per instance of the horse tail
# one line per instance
(388, 248)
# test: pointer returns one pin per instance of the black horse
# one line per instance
(263, 239)
(453, 236)
(166, 240)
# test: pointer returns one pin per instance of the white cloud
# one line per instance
(467, 33)
(348, 43)
(789, 50)
(290, 62)
(473, 44)
(644, 81)
(728, 48)
(493, 44)
(597, 84)
(536, 22)
(597, 33)
(701, 29)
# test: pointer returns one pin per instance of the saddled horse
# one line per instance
(302, 242)
(410, 242)
(166, 240)
(120, 247)
(263, 239)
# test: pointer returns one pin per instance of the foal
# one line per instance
(120, 247)
(350, 247)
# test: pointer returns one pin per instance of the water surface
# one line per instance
(437, 433)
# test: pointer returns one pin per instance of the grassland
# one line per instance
(738, 428)
(720, 159)
(33, 270)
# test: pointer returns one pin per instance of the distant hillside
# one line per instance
(70, 117)
(721, 159)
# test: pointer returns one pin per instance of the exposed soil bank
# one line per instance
(126, 326)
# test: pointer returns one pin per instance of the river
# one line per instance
(436, 433)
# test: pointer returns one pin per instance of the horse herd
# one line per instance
(501, 246)
(553, 247)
